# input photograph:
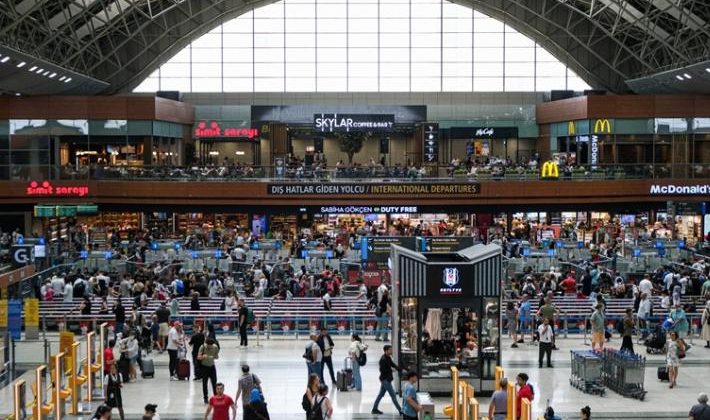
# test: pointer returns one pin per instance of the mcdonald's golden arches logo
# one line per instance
(550, 170)
(571, 128)
(602, 126)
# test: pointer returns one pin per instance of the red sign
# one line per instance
(214, 130)
(57, 190)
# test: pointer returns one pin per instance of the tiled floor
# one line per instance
(278, 363)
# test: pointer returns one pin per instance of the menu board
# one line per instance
(378, 248)
(446, 244)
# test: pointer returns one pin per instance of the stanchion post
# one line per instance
(512, 397)
(19, 400)
(526, 409)
(499, 375)
(455, 391)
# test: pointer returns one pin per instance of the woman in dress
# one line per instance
(675, 348)
(113, 383)
(705, 334)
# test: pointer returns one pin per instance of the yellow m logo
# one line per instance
(602, 126)
(571, 128)
(550, 170)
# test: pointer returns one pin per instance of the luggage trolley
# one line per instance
(586, 372)
(624, 373)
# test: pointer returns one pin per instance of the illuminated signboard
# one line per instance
(215, 130)
(353, 122)
(698, 189)
(47, 189)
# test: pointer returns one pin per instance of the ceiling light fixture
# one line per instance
(679, 77)
(33, 68)
(61, 79)
(45, 73)
(22, 64)
(51, 76)
(5, 60)
(68, 80)
(39, 71)
(687, 76)
(707, 69)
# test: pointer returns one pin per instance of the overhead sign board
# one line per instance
(697, 189)
(483, 132)
(46, 188)
(469, 188)
(369, 209)
(343, 123)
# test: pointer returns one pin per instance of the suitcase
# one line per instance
(348, 369)
(663, 374)
(342, 381)
(147, 368)
(183, 369)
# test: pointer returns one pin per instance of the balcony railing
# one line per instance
(358, 173)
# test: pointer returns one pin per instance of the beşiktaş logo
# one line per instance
(451, 282)
(697, 189)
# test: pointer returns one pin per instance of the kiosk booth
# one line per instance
(446, 313)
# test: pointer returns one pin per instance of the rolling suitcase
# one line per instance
(147, 368)
(663, 374)
(348, 369)
(342, 381)
(183, 369)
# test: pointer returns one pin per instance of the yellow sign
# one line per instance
(602, 126)
(3, 313)
(31, 312)
(550, 170)
(571, 128)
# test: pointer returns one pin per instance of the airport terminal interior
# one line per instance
(354, 209)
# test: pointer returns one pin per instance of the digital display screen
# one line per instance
(450, 280)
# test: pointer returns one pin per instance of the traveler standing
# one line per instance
(705, 333)
(627, 331)
(314, 357)
(113, 383)
(220, 404)
(322, 407)
(676, 347)
(120, 313)
(163, 315)
(644, 311)
(545, 334)
(356, 347)
(325, 342)
(410, 404)
(196, 341)
(243, 314)
(310, 394)
(383, 312)
(246, 383)
(597, 321)
(498, 408)
(549, 311)
(386, 378)
(700, 411)
(175, 343)
(525, 391)
(680, 321)
(524, 320)
(208, 353)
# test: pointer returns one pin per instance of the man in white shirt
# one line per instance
(668, 280)
(58, 284)
(381, 290)
(645, 286)
(644, 311)
(545, 332)
(68, 292)
(176, 341)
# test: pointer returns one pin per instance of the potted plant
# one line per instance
(579, 173)
(460, 172)
(483, 173)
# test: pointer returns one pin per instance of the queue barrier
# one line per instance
(463, 405)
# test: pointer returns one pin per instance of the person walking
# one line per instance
(325, 342)
(322, 407)
(246, 383)
(196, 341)
(524, 320)
(680, 321)
(498, 407)
(120, 315)
(220, 404)
(356, 347)
(256, 409)
(207, 354)
(597, 321)
(545, 333)
(113, 397)
(163, 317)
(387, 365)
(525, 391)
(705, 332)
(676, 348)
(627, 331)
(700, 411)
(243, 314)
(176, 342)
(314, 357)
(644, 313)
(410, 403)
(310, 394)
(383, 312)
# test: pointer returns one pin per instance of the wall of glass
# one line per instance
(47, 149)
(362, 46)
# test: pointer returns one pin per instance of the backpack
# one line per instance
(362, 358)
(79, 290)
(306, 404)
(532, 391)
(317, 412)
(308, 354)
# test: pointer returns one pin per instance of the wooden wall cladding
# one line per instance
(255, 193)
(625, 106)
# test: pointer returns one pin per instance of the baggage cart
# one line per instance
(623, 373)
(586, 374)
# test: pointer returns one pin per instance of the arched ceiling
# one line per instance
(606, 42)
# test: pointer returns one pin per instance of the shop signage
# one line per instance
(333, 123)
(22, 254)
(373, 189)
(594, 151)
(450, 280)
(571, 128)
(550, 170)
(698, 189)
(431, 142)
(369, 209)
(483, 132)
(215, 130)
(47, 189)
(602, 126)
